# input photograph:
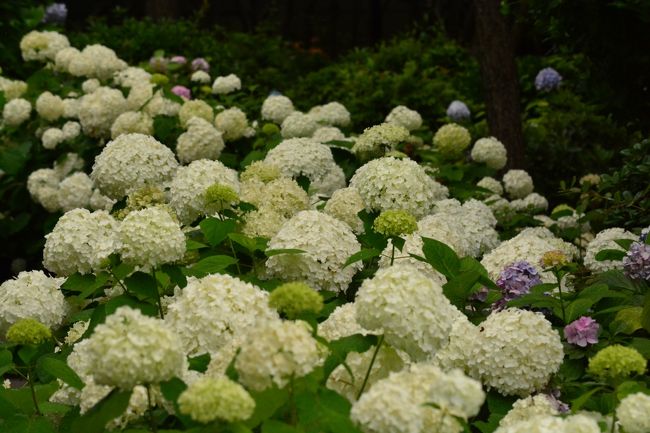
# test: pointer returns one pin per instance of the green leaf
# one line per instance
(200, 363)
(598, 291)
(216, 230)
(210, 265)
(304, 183)
(642, 345)
(175, 275)
(458, 288)
(23, 424)
(645, 314)
(577, 308)
(274, 426)
(60, 370)
(142, 285)
(194, 245)
(95, 420)
(325, 411)
(441, 257)
(248, 243)
(580, 401)
(364, 254)
(340, 348)
(172, 389)
(14, 158)
(627, 321)
(267, 402)
(275, 252)
(610, 255)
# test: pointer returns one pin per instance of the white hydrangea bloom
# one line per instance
(69, 163)
(76, 331)
(265, 223)
(71, 130)
(131, 162)
(410, 308)
(81, 242)
(345, 204)
(490, 152)
(306, 157)
(457, 352)
(517, 352)
(139, 95)
(327, 133)
(49, 106)
(276, 108)
(12, 88)
(226, 84)
(330, 114)
(98, 111)
(391, 183)
(632, 413)
(195, 108)
(327, 243)
(16, 112)
(404, 116)
(150, 237)
(132, 122)
(275, 351)
(161, 106)
(71, 107)
(342, 322)
(75, 191)
(282, 195)
(90, 85)
(605, 240)
(32, 295)
(52, 137)
(131, 349)
(200, 77)
(518, 183)
(187, 188)
(200, 141)
(131, 76)
(550, 424)
(96, 61)
(451, 139)
(43, 187)
(209, 312)
(532, 202)
(232, 123)
(98, 201)
(298, 124)
(42, 46)
(413, 245)
(398, 403)
(379, 138)
(63, 58)
(529, 407)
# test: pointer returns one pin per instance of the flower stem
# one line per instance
(392, 254)
(372, 362)
(152, 421)
(160, 309)
(559, 288)
(30, 381)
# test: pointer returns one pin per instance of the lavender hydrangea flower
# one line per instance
(547, 79)
(517, 279)
(458, 111)
(182, 91)
(558, 405)
(56, 13)
(582, 331)
(181, 60)
(636, 263)
(200, 64)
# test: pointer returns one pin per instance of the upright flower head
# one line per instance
(210, 398)
(458, 111)
(616, 362)
(182, 91)
(28, 331)
(636, 263)
(294, 299)
(56, 13)
(582, 332)
(547, 79)
(395, 223)
(517, 279)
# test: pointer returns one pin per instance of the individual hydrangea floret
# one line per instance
(295, 299)
(490, 152)
(298, 124)
(209, 399)
(226, 84)
(582, 331)
(636, 262)
(395, 223)
(616, 362)
(518, 183)
(276, 108)
(451, 140)
(28, 332)
(547, 79)
(404, 116)
(632, 413)
(458, 111)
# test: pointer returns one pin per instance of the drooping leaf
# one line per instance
(216, 230)
(364, 254)
(60, 370)
(210, 265)
(441, 257)
(109, 408)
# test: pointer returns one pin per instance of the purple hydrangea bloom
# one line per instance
(517, 279)
(558, 405)
(182, 91)
(181, 60)
(56, 13)
(458, 111)
(200, 64)
(636, 263)
(547, 79)
(582, 332)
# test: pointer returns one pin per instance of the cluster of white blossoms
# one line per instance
(552, 424)
(516, 353)
(606, 240)
(212, 311)
(42, 46)
(187, 188)
(275, 352)
(81, 241)
(98, 111)
(94, 61)
(391, 183)
(491, 184)
(12, 88)
(195, 108)
(131, 349)
(379, 138)
(208, 399)
(529, 407)
(330, 114)
(345, 204)
(276, 108)
(52, 137)
(518, 183)
(233, 124)
(32, 295)
(150, 237)
(419, 399)
(327, 243)
(298, 124)
(16, 111)
(130, 162)
(405, 117)
(200, 77)
(131, 122)
(325, 134)
(491, 152)
(451, 140)
(342, 322)
(409, 307)
(632, 413)
(305, 157)
(226, 84)
(533, 202)
(201, 140)
(49, 106)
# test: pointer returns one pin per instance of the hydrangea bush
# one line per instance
(208, 267)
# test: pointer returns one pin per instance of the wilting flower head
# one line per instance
(547, 79)
(56, 13)
(517, 279)
(554, 258)
(181, 60)
(636, 263)
(182, 91)
(458, 111)
(200, 64)
(582, 332)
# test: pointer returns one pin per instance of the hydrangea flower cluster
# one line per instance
(547, 79)
(451, 140)
(516, 280)
(582, 331)
(636, 262)
(458, 111)
(209, 399)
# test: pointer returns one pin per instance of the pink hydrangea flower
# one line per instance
(200, 64)
(182, 91)
(582, 332)
(178, 59)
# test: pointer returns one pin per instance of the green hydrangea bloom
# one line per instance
(220, 194)
(451, 140)
(159, 79)
(211, 398)
(296, 298)
(262, 171)
(395, 223)
(616, 362)
(28, 332)
(270, 129)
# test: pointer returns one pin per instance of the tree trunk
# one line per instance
(499, 75)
